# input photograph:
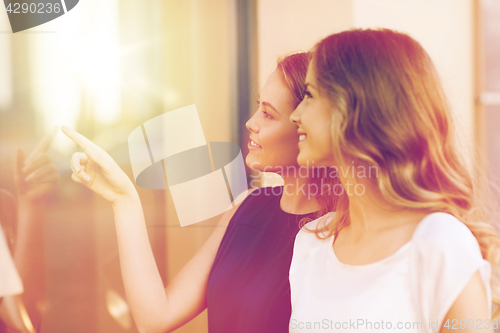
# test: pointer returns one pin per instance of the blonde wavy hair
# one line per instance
(389, 111)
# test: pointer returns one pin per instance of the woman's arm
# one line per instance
(36, 178)
(154, 308)
(9, 311)
(471, 308)
(29, 257)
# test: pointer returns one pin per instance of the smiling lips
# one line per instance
(253, 145)
(302, 136)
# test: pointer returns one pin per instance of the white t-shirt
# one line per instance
(10, 282)
(408, 291)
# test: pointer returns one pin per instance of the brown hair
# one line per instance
(389, 111)
(293, 70)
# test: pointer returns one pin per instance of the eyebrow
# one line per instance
(271, 106)
(310, 85)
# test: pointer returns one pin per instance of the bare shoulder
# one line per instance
(226, 217)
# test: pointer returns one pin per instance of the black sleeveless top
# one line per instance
(248, 288)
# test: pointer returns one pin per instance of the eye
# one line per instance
(267, 115)
(307, 94)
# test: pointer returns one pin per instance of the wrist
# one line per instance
(40, 203)
(126, 200)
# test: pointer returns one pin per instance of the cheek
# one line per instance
(326, 129)
(284, 148)
(318, 126)
(327, 134)
(309, 119)
(327, 143)
(289, 140)
(282, 135)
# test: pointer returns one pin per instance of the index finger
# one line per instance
(78, 138)
(45, 144)
(93, 151)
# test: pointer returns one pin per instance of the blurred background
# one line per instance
(106, 67)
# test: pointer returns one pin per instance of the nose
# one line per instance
(251, 124)
(295, 115)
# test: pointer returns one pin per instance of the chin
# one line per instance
(249, 161)
(302, 159)
(310, 161)
(303, 162)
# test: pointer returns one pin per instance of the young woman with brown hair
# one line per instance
(241, 274)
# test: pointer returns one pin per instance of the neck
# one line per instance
(298, 197)
(370, 213)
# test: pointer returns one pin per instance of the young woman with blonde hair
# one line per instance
(411, 246)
